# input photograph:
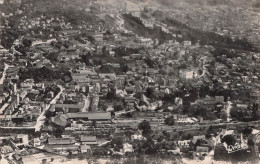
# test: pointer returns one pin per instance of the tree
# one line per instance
(169, 120)
(162, 72)
(150, 147)
(247, 131)
(118, 143)
(118, 107)
(106, 69)
(145, 127)
(150, 92)
(27, 42)
(111, 94)
(234, 113)
(125, 68)
(187, 136)
(91, 39)
(229, 139)
(150, 62)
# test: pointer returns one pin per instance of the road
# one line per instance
(2, 109)
(1, 82)
(203, 72)
(41, 119)
(41, 42)
(4, 74)
(229, 106)
(86, 104)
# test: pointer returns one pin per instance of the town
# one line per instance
(100, 81)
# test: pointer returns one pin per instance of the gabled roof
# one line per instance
(60, 141)
(90, 115)
(84, 147)
(76, 106)
(88, 138)
(90, 143)
(61, 120)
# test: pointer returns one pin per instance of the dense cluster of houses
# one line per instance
(116, 79)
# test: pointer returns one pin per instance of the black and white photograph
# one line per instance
(129, 81)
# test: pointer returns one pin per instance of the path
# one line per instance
(86, 104)
(203, 72)
(229, 106)
(4, 74)
(2, 109)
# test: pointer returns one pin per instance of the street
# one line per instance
(41, 118)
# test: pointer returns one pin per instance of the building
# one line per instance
(66, 108)
(184, 144)
(62, 120)
(188, 74)
(80, 78)
(128, 148)
(61, 141)
(6, 149)
(130, 102)
(255, 96)
(137, 136)
(88, 140)
(210, 101)
(85, 148)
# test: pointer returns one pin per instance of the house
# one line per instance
(3, 51)
(186, 43)
(137, 136)
(188, 73)
(66, 56)
(175, 151)
(73, 148)
(66, 108)
(130, 102)
(255, 95)
(200, 152)
(120, 81)
(27, 84)
(202, 149)
(110, 76)
(129, 74)
(4, 139)
(17, 157)
(184, 143)
(80, 78)
(130, 89)
(210, 101)
(128, 148)
(36, 142)
(36, 111)
(6, 149)
(85, 148)
(62, 120)
(22, 140)
(88, 140)
(135, 56)
(196, 138)
(61, 141)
